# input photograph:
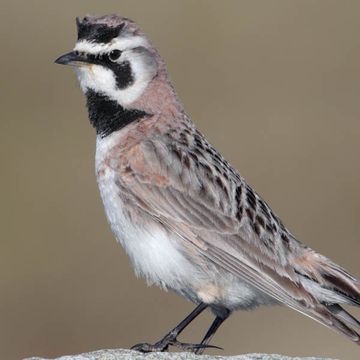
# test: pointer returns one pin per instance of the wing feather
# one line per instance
(205, 214)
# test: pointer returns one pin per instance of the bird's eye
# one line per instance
(114, 55)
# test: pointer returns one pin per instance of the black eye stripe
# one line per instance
(124, 76)
(101, 58)
(92, 57)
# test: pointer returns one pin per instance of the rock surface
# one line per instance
(121, 354)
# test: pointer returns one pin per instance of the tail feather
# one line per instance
(331, 276)
(330, 285)
(340, 312)
(327, 317)
(339, 281)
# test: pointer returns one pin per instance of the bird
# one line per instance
(186, 218)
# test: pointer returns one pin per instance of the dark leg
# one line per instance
(210, 333)
(170, 338)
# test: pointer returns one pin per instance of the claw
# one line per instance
(201, 348)
(146, 348)
(193, 347)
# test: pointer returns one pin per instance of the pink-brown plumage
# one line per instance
(187, 218)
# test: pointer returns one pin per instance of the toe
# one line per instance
(143, 347)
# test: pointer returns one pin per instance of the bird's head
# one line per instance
(113, 57)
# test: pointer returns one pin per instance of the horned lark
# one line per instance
(187, 219)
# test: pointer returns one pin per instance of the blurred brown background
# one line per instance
(273, 84)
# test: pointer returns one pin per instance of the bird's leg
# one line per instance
(170, 338)
(210, 333)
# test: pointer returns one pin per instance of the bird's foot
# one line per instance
(146, 348)
(160, 346)
(163, 345)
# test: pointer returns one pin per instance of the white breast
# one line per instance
(154, 254)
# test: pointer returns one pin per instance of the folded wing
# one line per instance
(206, 202)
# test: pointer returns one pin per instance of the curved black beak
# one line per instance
(71, 58)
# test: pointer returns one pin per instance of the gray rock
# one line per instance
(121, 354)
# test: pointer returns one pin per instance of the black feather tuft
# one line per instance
(100, 33)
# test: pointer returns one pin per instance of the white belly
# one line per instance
(157, 255)
(153, 253)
